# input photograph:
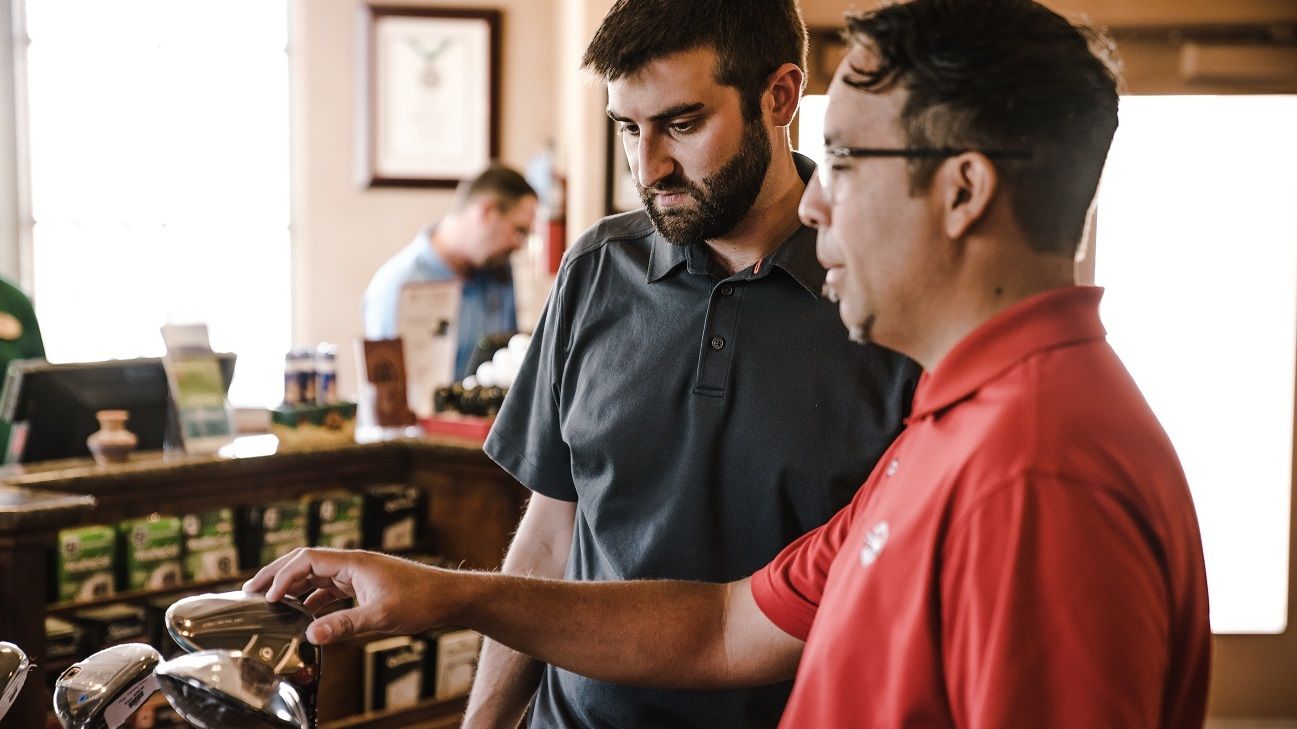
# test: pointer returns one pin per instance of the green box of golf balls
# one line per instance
(150, 549)
(210, 551)
(85, 562)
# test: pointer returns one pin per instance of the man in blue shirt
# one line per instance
(491, 217)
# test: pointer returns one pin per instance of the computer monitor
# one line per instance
(52, 406)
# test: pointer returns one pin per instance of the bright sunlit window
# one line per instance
(1197, 247)
(810, 126)
(158, 138)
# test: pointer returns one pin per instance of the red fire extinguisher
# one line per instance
(556, 227)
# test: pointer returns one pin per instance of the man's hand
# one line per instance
(646, 633)
(393, 596)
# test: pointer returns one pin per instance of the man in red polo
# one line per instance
(1026, 554)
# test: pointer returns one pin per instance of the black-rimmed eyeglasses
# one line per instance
(825, 170)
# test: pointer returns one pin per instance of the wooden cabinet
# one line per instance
(472, 507)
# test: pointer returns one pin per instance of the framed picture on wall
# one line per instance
(430, 89)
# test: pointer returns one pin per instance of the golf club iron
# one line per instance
(223, 689)
(13, 672)
(272, 633)
(104, 690)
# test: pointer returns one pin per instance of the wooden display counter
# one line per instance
(472, 507)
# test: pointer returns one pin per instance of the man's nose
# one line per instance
(814, 209)
(654, 160)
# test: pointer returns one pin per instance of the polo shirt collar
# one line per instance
(664, 257)
(1052, 319)
(427, 260)
(796, 255)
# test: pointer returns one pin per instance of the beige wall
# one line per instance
(344, 232)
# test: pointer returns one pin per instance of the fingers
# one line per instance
(338, 626)
(302, 570)
(261, 581)
(321, 598)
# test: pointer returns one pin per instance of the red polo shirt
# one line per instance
(1025, 555)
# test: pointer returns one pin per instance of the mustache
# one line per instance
(828, 292)
(675, 183)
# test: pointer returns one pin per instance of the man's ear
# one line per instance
(783, 92)
(485, 207)
(966, 185)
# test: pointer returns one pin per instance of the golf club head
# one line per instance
(273, 633)
(13, 672)
(104, 690)
(222, 689)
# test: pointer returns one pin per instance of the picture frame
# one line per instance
(430, 95)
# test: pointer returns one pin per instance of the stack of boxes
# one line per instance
(159, 552)
(402, 671)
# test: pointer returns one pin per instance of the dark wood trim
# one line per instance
(368, 84)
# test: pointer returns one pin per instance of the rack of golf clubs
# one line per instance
(248, 665)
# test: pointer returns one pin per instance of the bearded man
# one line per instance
(689, 404)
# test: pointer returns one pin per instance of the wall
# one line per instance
(343, 232)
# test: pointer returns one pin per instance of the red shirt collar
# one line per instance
(1054, 318)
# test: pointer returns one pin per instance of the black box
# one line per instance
(393, 673)
(112, 625)
(267, 532)
(65, 644)
(450, 662)
(393, 514)
(155, 613)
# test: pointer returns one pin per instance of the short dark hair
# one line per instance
(498, 182)
(1005, 74)
(751, 39)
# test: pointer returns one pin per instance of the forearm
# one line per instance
(507, 679)
(646, 633)
(505, 682)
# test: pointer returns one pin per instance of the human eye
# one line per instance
(628, 129)
(683, 126)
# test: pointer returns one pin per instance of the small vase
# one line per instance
(112, 443)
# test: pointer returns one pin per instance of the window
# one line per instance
(1197, 248)
(158, 137)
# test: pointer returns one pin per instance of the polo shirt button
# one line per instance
(892, 465)
(726, 290)
(718, 343)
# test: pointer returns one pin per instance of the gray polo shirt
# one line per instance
(700, 422)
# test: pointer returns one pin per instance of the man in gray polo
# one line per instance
(689, 405)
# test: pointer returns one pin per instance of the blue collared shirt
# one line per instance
(487, 305)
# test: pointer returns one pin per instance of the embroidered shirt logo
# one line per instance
(875, 540)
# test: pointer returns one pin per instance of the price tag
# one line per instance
(132, 699)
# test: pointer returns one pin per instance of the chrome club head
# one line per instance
(273, 633)
(105, 689)
(13, 672)
(222, 689)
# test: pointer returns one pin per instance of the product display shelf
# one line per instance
(426, 715)
(471, 508)
(135, 596)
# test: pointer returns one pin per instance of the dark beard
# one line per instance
(723, 198)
